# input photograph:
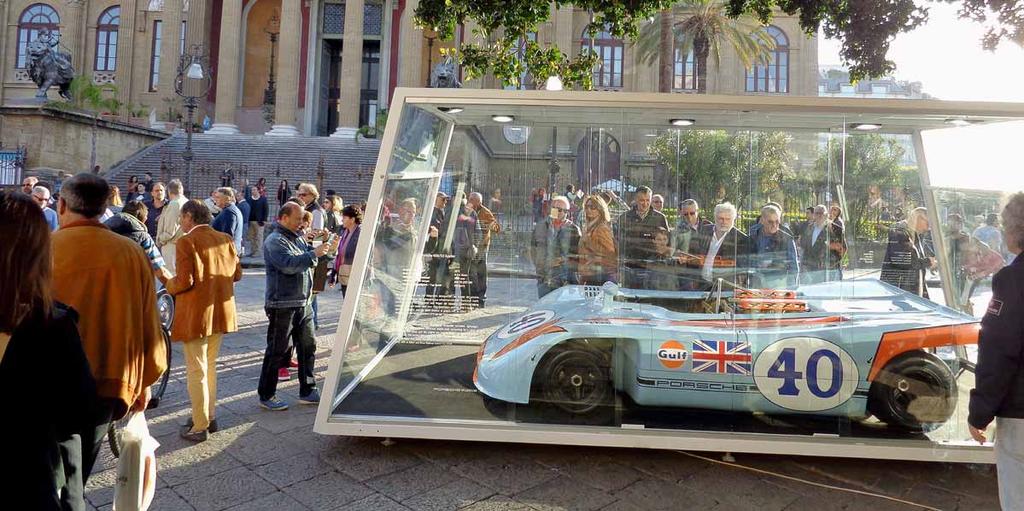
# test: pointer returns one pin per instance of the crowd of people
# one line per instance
(592, 239)
(79, 286)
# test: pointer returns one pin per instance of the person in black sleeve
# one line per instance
(999, 377)
(44, 455)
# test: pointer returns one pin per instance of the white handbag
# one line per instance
(136, 468)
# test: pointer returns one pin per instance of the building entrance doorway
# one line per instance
(329, 87)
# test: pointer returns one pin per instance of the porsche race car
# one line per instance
(849, 349)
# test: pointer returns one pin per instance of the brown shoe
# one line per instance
(198, 436)
(212, 428)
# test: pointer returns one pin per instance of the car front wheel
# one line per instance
(914, 391)
(576, 379)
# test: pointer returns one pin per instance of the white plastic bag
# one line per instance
(136, 468)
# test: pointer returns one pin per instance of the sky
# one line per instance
(946, 56)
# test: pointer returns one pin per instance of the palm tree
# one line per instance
(92, 100)
(705, 30)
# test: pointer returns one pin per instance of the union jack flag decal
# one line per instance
(721, 357)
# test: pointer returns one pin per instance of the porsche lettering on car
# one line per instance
(852, 349)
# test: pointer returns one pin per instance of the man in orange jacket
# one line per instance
(108, 280)
(208, 268)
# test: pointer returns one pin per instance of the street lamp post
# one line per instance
(273, 29)
(192, 83)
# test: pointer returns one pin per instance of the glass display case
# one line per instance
(743, 273)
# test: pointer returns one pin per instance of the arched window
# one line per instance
(525, 79)
(609, 50)
(598, 160)
(34, 18)
(684, 71)
(775, 76)
(106, 39)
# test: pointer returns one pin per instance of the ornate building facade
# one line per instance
(323, 67)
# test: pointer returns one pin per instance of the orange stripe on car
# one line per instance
(895, 343)
(529, 335)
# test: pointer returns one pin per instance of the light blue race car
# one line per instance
(849, 349)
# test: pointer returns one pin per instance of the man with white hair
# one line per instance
(822, 247)
(720, 250)
(774, 251)
(229, 221)
(168, 227)
(553, 247)
(690, 224)
(41, 195)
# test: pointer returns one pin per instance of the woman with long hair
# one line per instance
(598, 256)
(35, 333)
(907, 256)
(332, 205)
(261, 186)
(283, 192)
(114, 203)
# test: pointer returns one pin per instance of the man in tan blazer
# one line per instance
(168, 227)
(207, 268)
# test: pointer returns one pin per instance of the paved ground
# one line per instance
(273, 461)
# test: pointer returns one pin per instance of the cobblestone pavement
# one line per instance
(273, 461)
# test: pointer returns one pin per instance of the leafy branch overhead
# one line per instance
(864, 27)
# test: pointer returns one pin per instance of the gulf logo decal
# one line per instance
(672, 354)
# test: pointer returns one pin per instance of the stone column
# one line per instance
(126, 50)
(71, 36)
(196, 29)
(197, 32)
(410, 67)
(351, 70)
(287, 99)
(227, 68)
(170, 52)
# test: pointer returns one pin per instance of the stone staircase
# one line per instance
(346, 165)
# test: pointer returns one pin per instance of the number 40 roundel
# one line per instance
(806, 374)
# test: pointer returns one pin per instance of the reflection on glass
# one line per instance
(594, 272)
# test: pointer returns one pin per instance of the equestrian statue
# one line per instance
(48, 65)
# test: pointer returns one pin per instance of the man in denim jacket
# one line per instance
(289, 265)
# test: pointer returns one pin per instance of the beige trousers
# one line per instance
(169, 253)
(201, 374)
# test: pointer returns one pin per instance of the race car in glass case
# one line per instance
(854, 349)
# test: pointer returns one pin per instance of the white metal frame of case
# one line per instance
(903, 116)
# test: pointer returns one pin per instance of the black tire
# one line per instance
(158, 389)
(915, 391)
(575, 378)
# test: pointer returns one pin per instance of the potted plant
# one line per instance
(171, 114)
(138, 115)
(377, 129)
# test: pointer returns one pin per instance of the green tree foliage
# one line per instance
(715, 165)
(503, 23)
(705, 29)
(865, 27)
(870, 159)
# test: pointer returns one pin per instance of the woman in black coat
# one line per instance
(51, 392)
(907, 257)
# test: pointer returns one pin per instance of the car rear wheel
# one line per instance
(575, 378)
(914, 391)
